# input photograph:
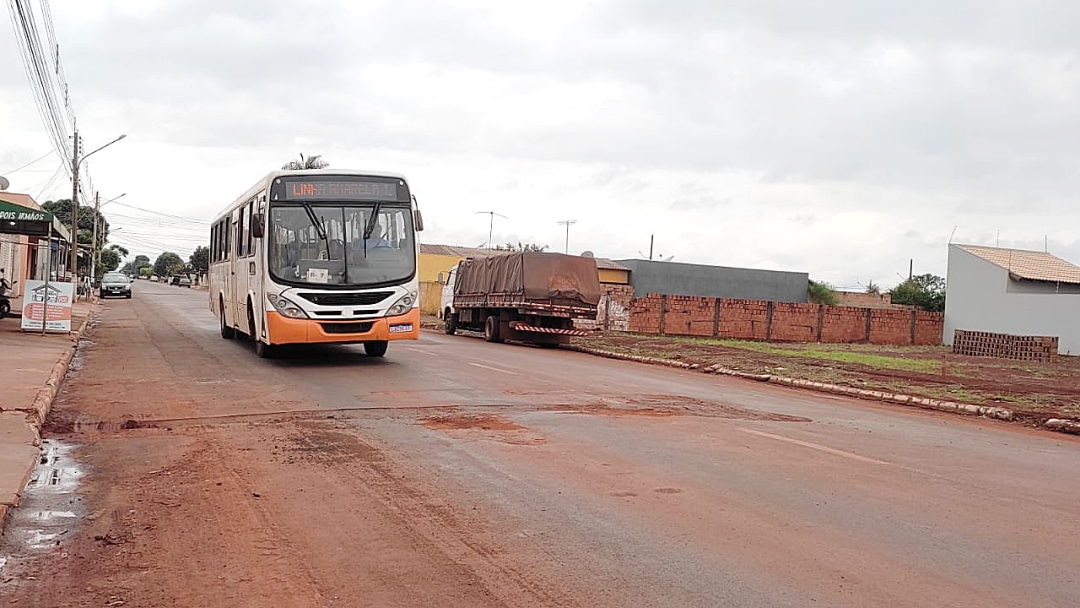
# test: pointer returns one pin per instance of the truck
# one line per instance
(526, 296)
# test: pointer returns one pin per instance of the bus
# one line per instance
(318, 257)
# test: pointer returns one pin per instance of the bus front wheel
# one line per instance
(263, 350)
(375, 349)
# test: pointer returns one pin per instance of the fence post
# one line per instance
(820, 320)
(768, 321)
(607, 314)
(663, 311)
(716, 318)
(869, 314)
(913, 318)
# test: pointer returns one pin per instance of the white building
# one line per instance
(1012, 291)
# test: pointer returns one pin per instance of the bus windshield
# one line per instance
(324, 244)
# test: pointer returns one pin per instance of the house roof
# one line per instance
(1028, 265)
(22, 200)
(606, 264)
(454, 250)
(476, 252)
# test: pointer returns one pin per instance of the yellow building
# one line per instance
(436, 261)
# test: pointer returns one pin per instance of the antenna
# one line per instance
(567, 223)
(491, 222)
(953, 234)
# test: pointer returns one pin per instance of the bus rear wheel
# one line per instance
(226, 332)
(375, 349)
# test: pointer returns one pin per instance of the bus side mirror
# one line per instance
(257, 221)
(419, 220)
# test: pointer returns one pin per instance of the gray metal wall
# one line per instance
(716, 281)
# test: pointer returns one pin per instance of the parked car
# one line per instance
(174, 280)
(115, 284)
(185, 282)
(153, 278)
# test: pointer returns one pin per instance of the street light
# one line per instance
(94, 251)
(76, 162)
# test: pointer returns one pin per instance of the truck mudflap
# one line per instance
(519, 326)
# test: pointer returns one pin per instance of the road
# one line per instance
(460, 473)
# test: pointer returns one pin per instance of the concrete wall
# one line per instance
(978, 298)
(716, 281)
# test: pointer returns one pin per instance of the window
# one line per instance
(249, 244)
(240, 239)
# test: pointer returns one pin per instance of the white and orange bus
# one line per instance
(320, 256)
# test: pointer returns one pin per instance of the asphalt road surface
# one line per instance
(454, 472)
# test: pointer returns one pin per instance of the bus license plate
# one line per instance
(400, 328)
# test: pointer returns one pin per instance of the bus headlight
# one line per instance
(403, 305)
(285, 307)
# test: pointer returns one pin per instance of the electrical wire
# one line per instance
(175, 217)
(40, 158)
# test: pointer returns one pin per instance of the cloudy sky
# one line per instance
(841, 138)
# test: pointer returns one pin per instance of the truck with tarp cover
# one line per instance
(529, 296)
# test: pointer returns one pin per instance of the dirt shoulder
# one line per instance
(1034, 392)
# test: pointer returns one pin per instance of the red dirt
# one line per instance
(1035, 392)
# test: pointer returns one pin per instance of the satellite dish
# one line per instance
(4, 183)
(587, 254)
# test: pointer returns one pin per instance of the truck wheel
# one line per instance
(5, 308)
(491, 329)
(375, 349)
(449, 323)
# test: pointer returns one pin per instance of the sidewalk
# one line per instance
(32, 367)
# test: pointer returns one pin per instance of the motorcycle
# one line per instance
(5, 303)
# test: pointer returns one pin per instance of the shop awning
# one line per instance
(22, 219)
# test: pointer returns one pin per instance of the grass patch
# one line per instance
(924, 366)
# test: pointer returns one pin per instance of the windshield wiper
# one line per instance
(318, 228)
(371, 223)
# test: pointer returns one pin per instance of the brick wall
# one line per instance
(613, 313)
(1006, 346)
(676, 315)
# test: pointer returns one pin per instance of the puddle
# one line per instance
(50, 509)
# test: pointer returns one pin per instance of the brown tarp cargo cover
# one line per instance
(533, 275)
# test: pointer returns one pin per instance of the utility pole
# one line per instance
(74, 253)
(567, 223)
(651, 237)
(94, 243)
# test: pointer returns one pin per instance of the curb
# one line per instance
(39, 409)
(999, 413)
(35, 414)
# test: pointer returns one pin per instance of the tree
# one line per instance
(925, 291)
(168, 263)
(62, 210)
(521, 247)
(110, 259)
(873, 287)
(135, 267)
(146, 271)
(311, 162)
(819, 292)
(200, 259)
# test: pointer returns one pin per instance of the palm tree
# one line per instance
(311, 162)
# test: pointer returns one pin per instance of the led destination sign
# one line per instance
(300, 189)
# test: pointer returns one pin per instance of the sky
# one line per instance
(842, 138)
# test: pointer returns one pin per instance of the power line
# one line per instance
(40, 158)
(175, 217)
